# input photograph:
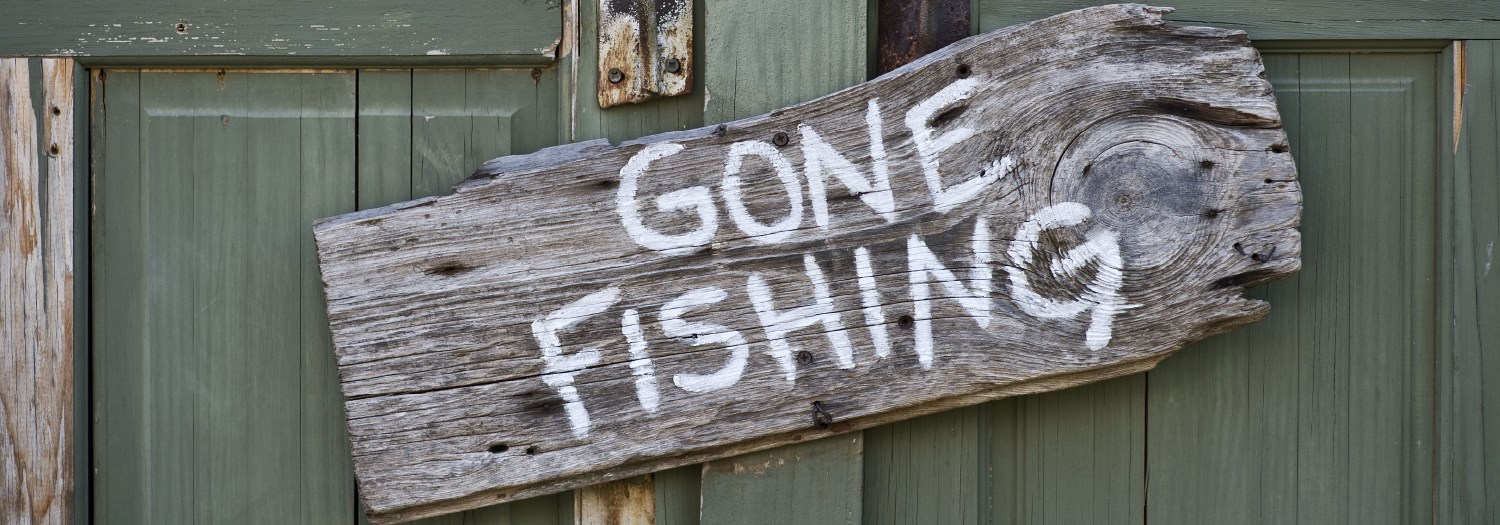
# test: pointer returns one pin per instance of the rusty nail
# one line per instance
(615, 75)
(963, 71)
(673, 65)
(1264, 255)
(804, 357)
(821, 418)
(780, 139)
(1239, 248)
(181, 28)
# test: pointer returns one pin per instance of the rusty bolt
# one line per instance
(616, 76)
(673, 65)
(181, 28)
(821, 417)
(780, 139)
(804, 357)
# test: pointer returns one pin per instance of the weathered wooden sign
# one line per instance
(1043, 206)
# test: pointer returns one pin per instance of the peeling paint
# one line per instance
(551, 51)
(1460, 81)
(1489, 257)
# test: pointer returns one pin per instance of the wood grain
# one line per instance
(214, 387)
(1167, 136)
(36, 293)
(1469, 309)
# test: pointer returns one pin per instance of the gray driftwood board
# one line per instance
(1047, 205)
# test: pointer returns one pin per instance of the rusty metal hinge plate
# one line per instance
(645, 50)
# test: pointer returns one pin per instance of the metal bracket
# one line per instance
(645, 50)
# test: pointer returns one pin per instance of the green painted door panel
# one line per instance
(1322, 413)
(215, 397)
(1469, 373)
(215, 394)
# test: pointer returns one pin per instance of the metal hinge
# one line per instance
(645, 50)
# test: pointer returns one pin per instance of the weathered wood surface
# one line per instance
(36, 293)
(1044, 206)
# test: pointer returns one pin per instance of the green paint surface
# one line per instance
(289, 31)
(1283, 20)
(215, 396)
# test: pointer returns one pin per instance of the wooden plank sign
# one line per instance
(1047, 205)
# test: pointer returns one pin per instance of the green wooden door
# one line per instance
(1364, 398)
(213, 387)
(215, 395)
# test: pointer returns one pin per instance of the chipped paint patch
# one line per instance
(1489, 258)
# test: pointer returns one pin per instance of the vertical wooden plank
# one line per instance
(1394, 128)
(217, 300)
(385, 126)
(1078, 454)
(327, 186)
(930, 469)
(36, 294)
(1470, 382)
(1323, 375)
(678, 492)
(439, 131)
(809, 483)
(118, 299)
(767, 55)
(83, 102)
(761, 57)
(56, 378)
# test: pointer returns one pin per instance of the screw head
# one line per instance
(616, 76)
(804, 357)
(780, 139)
(962, 71)
(673, 65)
(181, 28)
